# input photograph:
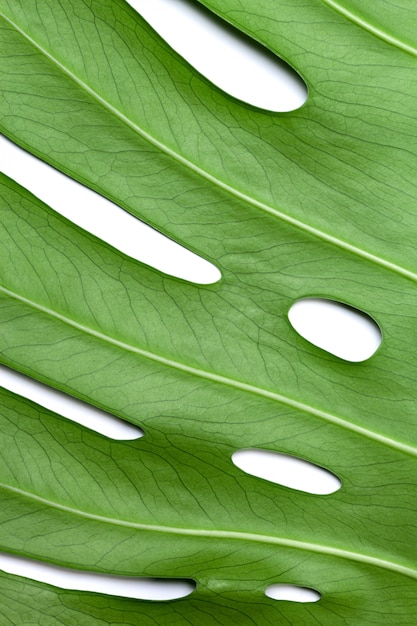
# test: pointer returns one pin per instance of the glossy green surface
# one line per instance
(317, 202)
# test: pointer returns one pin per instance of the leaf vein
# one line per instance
(312, 230)
(227, 534)
(371, 28)
(219, 378)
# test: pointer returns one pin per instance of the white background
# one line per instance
(251, 75)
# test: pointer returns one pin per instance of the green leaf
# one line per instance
(317, 202)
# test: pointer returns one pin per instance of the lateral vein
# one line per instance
(324, 236)
(378, 32)
(219, 378)
(225, 534)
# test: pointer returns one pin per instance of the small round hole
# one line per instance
(341, 330)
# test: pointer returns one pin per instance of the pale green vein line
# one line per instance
(378, 32)
(340, 243)
(225, 534)
(218, 378)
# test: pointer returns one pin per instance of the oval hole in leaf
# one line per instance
(103, 218)
(125, 586)
(69, 407)
(286, 470)
(292, 593)
(342, 330)
(232, 61)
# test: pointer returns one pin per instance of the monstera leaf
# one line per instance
(319, 202)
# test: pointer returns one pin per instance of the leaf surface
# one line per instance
(319, 202)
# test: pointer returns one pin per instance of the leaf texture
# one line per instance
(317, 202)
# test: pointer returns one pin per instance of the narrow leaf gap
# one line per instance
(103, 218)
(232, 61)
(292, 593)
(69, 407)
(286, 470)
(137, 587)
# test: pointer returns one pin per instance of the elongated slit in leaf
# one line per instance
(286, 470)
(342, 330)
(141, 588)
(292, 593)
(103, 218)
(232, 61)
(69, 407)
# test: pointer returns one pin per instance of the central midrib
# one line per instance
(340, 243)
(218, 378)
(226, 534)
